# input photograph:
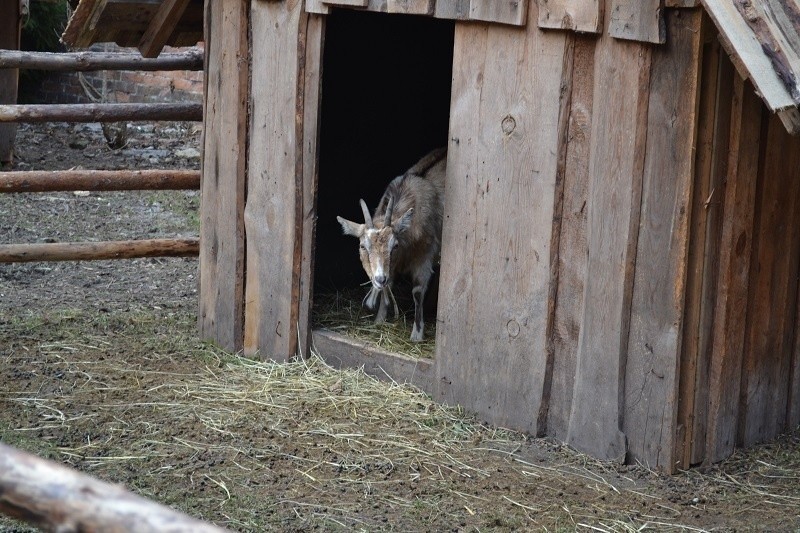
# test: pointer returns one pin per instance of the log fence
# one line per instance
(99, 180)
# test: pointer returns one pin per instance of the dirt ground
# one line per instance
(101, 369)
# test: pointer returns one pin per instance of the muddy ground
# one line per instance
(101, 369)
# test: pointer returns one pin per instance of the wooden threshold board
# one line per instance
(344, 352)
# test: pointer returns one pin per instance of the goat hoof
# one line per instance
(416, 336)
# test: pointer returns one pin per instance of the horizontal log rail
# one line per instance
(100, 112)
(88, 61)
(91, 251)
(98, 180)
(57, 498)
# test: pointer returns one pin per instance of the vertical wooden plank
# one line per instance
(793, 411)
(312, 85)
(772, 307)
(10, 26)
(577, 15)
(736, 242)
(713, 131)
(637, 20)
(616, 156)
(495, 277)
(223, 173)
(273, 212)
(410, 7)
(651, 372)
(572, 253)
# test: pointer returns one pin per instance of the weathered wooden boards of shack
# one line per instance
(621, 241)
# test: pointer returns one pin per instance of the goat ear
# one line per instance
(404, 223)
(351, 228)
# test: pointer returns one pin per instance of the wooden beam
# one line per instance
(346, 3)
(98, 180)
(514, 12)
(89, 61)
(161, 27)
(411, 7)
(100, 112)
(578, 15)
(92, 251)
(637, 20)
(56, 498)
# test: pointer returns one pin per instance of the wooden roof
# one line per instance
(146, 24)
(763, 39)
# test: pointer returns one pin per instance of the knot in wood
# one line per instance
(508, 124)
(513, 328)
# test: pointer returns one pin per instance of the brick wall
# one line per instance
(121, 86)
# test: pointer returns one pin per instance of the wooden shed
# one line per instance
(621, 245)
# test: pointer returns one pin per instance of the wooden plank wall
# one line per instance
(281, 184)
(223, 171)
(502, 163)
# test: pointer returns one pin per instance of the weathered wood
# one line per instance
(572, 242)
(57, 498)
(10, 25)
(734, 271)
(89, 61)
(100, 112)
(161, 27)
(309, 113)
(577, 15)
(637, 20)
(713, 133)
(740, 41)
(348, 3)
(495, 277)
(98, 180)
(616, 159)
(273, 216)
(224, 170)
(91, 251)
(452, 9)
(651, 372)
(772, 306)
(513, 12)
(344, 352)
(318, 7)
(96, 21)
(681, 3)
(411, 7)
(791, 120)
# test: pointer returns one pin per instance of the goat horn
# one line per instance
(367, 218)
(388, 220)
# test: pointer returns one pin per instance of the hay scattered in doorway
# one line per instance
(342, 312)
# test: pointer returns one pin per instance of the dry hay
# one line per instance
(343, 312)
(254, 445)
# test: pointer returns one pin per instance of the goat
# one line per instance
(404, 236)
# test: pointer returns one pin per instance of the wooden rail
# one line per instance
(90, 251)
(88, 61)
(57, 498)
(98, 180)
(100, 112)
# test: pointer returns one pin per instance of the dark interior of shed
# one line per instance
(385, 103)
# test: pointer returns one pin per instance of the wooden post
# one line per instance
(100, 112)
(98, 180)
(57, 498)
(10, 27)
(90, 251)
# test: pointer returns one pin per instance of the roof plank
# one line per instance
(637, 20)
(162, 25)
(749, 30)
(578, 15)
